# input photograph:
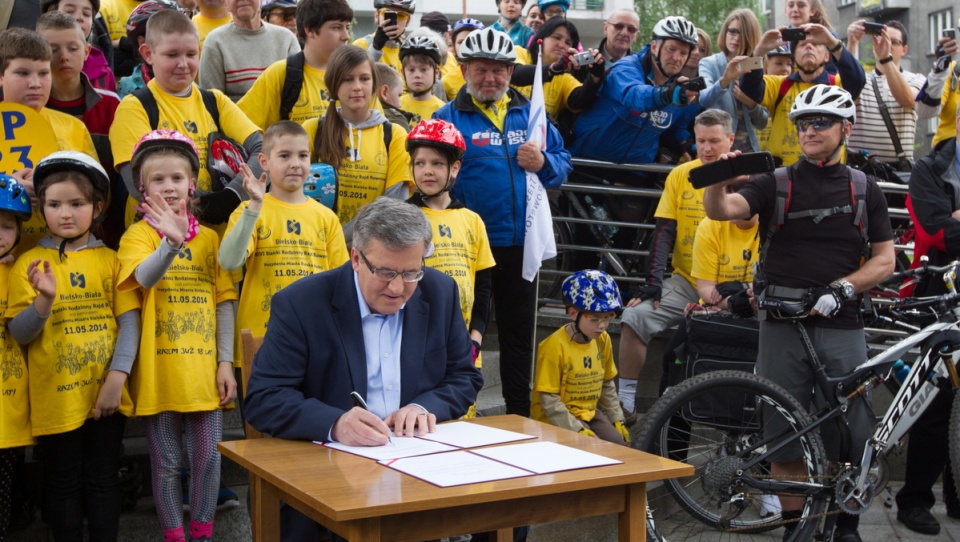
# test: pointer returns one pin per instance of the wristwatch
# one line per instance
(846, 289)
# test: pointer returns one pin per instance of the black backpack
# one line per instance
(292, 84)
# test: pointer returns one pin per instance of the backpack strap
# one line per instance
(784, 179)
(149, 103)
(150, 106)
(387, 136)
(858, 197)
(785, 86)
(292, 84)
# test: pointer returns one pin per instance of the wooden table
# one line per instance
(363, 501)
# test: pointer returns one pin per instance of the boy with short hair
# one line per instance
(100, 54)
(294, 219)
(389, 93)
(573, 385)
(420, 57)
(322, 26)
(172, 48)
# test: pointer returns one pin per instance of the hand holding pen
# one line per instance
(360, 427)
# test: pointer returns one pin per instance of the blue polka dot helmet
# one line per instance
(592, 291)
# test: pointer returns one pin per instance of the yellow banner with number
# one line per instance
(25, 137)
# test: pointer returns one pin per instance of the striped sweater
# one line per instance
(234, 57)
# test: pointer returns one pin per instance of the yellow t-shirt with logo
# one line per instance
(14, 390)
(205, 25)
(949, 99)
(574, 371)
(373, 172)
(73, 351)
(262, 102)
(783, 141)
(72, 135)
(290, 241)
(421, 110)
(723, 252)
(684, 203)
(556, 92)
(460, 249)
(185, 114)
(115, 14)
(177, 367)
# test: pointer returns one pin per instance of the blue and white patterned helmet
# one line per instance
(321, 184)
(592, 291)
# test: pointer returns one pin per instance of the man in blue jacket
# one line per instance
(492, 182)
(642, 99)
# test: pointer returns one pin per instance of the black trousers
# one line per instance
(928, 457)
(80, 476)
(515, 303)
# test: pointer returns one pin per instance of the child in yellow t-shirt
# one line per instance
(80, 333)
(460, 245)
(280, 236)
(420, 56)
(352, 138)
(15, 431)
(184, 373)
(573, 386)
(171, 48)
(25, 67)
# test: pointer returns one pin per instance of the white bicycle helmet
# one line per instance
(676, 28)
(824, 100)
(422, 45)
(488, 44)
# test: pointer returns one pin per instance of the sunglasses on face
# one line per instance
(819, 123)
(287, 15)
(401, 15)
(620, 26)
(597, 319)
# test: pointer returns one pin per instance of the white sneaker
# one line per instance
(769, 505)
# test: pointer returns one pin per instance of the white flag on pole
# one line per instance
(538, 242)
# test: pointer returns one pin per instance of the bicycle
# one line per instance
(714, 421)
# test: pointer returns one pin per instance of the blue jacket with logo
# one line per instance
(491, 182)
(626, 122)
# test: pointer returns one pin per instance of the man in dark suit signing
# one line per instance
(382, 325)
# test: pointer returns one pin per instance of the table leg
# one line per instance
(265, 509)
(503, 535)
(633, 519)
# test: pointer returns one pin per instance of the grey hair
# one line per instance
(396, 224)
(715, 117)
(620, 11)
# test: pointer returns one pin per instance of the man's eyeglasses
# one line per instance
(288, 15)
(819, 123)
(896, 43)
(387, 275)
(401, 15)
(620, 26)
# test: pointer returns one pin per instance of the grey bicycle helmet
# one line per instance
(420, 45)
(824, 100)
(676, 28)
(488, 44)
(408, 6)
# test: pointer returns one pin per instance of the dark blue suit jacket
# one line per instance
(313, 355)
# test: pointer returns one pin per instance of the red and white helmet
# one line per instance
(437, 133)
(168, 139)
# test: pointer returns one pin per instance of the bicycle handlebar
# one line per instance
(924, 269)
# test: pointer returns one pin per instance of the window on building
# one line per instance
(841, 3)
(938, 22)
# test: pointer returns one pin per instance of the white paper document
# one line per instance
(399, 447)
(544, 457)
(472, 435)
(454, 469)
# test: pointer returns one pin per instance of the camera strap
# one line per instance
(888, 121)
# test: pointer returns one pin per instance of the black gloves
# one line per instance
(673, 94)
(650, 291)
(727, 289)
(943, 59)
(739, 304)
(598, 69)
(216, 207)
(380, 39)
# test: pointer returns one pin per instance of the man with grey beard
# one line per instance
(492, 182)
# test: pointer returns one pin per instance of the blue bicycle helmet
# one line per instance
(468, 25)
(321, 184)
(592, 291)
(544, 4)
(13, 198)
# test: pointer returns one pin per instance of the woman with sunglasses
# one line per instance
(721, 74)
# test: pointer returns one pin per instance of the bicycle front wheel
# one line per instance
(715, 422)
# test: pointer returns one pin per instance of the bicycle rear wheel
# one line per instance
(713, 422)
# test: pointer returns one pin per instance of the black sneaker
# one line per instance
(226, 498)
(846, 535)
(919, 520)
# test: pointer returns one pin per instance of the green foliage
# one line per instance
(707, 15)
